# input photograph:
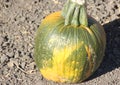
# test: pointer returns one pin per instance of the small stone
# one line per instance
(0, 49)
(5, 71)
(23, 64)
(4, 58)
(10, 64)
(32, 65)
(25, 57)
(1, 40)
(10, 54)
(16, 55)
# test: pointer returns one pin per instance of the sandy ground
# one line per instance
(19, 20)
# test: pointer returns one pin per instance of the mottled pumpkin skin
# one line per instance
(68, 54)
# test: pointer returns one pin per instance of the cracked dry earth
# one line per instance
(19, 20)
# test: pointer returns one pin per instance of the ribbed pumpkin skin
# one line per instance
(68, 53)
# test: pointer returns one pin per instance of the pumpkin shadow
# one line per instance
(111, 59)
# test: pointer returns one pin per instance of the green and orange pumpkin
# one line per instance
(69, 45)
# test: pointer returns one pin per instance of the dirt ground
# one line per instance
(19, 20)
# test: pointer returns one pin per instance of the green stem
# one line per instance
(75, 13)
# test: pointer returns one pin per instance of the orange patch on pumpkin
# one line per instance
(52, 18)
(88, 50)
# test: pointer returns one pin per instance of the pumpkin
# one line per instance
(69, 44)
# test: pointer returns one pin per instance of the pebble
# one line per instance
(4, 58)
(1, 40)
(16, 55)
(10, 64)
(10, 54)
(32, 65)
(23, 64)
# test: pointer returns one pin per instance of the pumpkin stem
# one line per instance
(75, 13)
